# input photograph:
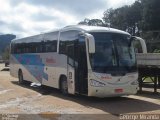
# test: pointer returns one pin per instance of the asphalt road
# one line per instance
(26, 102)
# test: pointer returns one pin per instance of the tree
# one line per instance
(124, 17)
(5, 40)
(6, 53)
(84, 22)
(92, 22)
(116, 17)
(151, 17)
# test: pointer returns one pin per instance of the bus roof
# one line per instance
(83, 28)
(93, 29)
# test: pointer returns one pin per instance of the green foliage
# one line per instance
(124, 17)
(5, 55)
(151, 17)
(92, 22)
(156, 51)
(143, 12)
(5, 41)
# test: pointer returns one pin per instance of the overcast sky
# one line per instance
(28, 17)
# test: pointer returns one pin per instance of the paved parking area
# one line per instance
(42, 102)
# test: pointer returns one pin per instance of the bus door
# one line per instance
(71, 68)
(81, 69)
(77, 67)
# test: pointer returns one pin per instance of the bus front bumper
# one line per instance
(109, 91)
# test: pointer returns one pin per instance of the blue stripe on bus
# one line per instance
(34, 64)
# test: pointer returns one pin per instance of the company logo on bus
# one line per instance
(106, 77)
(50, 60)
(103, 76)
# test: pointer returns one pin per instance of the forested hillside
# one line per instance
(5, 41)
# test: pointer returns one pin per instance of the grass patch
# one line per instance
(148, 79)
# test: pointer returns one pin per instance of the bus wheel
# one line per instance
(64, 86)
(20, 77)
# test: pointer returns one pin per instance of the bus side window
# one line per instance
(50, 42)
(66, 38)
(70, 53)
(62, 48)
(12, 48)
(18, 49)
(50, 46)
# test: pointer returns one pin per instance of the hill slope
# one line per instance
(5, 41)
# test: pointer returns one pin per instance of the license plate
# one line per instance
(118, 90)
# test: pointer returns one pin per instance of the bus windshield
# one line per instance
(113, 53)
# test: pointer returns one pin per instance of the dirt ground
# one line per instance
(26, 102)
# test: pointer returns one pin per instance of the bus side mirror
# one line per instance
(131, 41)
(91, 43)
(142, 42)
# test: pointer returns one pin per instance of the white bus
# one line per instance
(87, 60)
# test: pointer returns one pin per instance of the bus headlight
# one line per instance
(134, 82)
(96, 83)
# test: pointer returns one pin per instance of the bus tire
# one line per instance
(20, 77)
(64, 85)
